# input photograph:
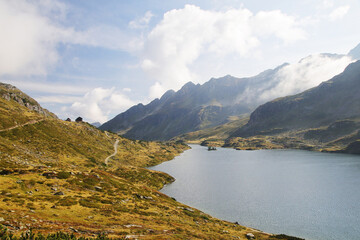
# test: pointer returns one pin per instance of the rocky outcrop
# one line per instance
(11, 93)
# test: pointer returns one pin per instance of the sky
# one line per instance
(96, 59)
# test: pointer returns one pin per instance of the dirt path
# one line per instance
(115, 152)
(22, 125)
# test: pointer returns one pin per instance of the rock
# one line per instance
(186, 209)
(96, 176)
(250, 236)
(143, 197)
(133, 226)
(73, 229)
(98, 188)
(54, 189)
(2, 219)
(19, 181)
(49, 174)
(133, 236)
(59, 193)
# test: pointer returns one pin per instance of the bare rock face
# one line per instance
(250, 236)
(11, 93)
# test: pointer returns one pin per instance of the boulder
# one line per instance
(250, 236)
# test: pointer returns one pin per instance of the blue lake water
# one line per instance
(301, 193)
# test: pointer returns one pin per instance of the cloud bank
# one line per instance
(339, 12)
(97, 104)
(31, 31)
(295, 78)
(184, 34)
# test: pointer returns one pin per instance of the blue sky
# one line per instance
(97, 58)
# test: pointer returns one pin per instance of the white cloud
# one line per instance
(46, 87)
(104, 36)
(31, 31)
(97, 104)
(156, 90)
(339, 12)
(142, 22)
(279, 24)
(328, 3)
(28, 39)
(307, 73)
(183, 35)
(57, 99)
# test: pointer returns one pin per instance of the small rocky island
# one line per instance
(210, 148)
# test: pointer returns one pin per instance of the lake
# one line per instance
(301, 193)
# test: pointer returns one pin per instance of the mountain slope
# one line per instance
(197, 107)
(355, 52)
(332, 100)
(17, 108)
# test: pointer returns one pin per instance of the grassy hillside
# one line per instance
(53, 177)
(17, 108)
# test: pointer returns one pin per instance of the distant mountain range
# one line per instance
(96, 124)
(197, 107)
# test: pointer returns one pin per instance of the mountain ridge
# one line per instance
(196, 107)
(290, 112)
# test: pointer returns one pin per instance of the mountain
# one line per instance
(96, 124)
(331, 101)
(198, 107)
(324, 117)
(71, 177)
(355, 53)
(193, 107)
